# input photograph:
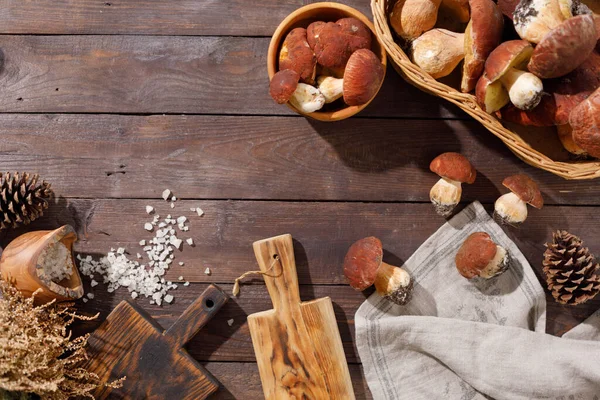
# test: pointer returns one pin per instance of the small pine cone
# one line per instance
(22, 199)
(570, 269)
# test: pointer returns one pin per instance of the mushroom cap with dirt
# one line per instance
(335, 42)
(439, 51)
(364, 266)
(511, 208)
(284, 87)
(296, 54)
(564, 48)
(362, 79)
(479, 256)
(505, 64)
(411, 18)
(453, 169)
(585, 121)
(533, 19)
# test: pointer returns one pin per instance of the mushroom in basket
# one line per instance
(364, 266)
(585, 121)
(439, 51)
(511, 208)
(479, 256)
(453, 169)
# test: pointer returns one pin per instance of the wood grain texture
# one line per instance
(240, 381)
(163, 74)
(218, 341)
(130, 343)
(297, 345)
(242, 157)
(142, 17)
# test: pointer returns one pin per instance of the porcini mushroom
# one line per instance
(335, 42)
(479, 256)
(564, 48)
(411, 18)
(585, 121)
(459, 8)
(296, 54)
(565, 135)
(504, 64)
(491, 96)
(439, 51)
(511, 207)
(533, 19)
(362, 78)
(454, 169)
(508, 7)
(364, 266)
(305, 98)
(312, 33)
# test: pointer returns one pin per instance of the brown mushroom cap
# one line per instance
(508, 7)
(312, 33)
(362, 78)
(585, 121)
(564, 48)
(565, 94)
(526, 188)
(336, 42)
(483, 35)
(411, 18)
(477, 251)
(453, 166)
(297, 55)
(283, 85)
(511, 54)
(491, 97)
(362, 262)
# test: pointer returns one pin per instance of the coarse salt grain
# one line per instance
(207, 271)
(90, 296)
(93, 283)
(168, 298)
(180, 278)
(199, 211)
(148, 226)
(230, 322)
(186, 283)
(166, 194)
(190, 241)
(149, 209)
(172, 205)
(55, 262)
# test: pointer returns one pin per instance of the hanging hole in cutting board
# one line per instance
(209, 303)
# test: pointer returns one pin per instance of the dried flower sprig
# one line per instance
(37, 353)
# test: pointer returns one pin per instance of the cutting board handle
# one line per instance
(275, 257)
(197, 315)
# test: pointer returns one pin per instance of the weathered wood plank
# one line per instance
(217, 341)
(322, 232)
(158, 74)
(143, 17)
(262, 158)
(240, 381)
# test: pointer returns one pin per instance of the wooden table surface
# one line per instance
(113, 101)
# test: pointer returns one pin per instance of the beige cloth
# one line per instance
(461, 339)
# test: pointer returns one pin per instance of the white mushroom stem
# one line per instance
(445, 195)
(498, 264)
(511, 208)
(524, 88)
(332, 88)
(307, 98)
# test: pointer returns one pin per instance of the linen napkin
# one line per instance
(478, 339)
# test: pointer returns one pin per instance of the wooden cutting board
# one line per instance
(130, 343)
(297, 344)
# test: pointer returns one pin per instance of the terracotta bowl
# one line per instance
(302, 17)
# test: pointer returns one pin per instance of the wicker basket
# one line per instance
(422, 80)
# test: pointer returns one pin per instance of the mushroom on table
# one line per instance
(479, 256)
(511, 207)
(454, 169)
(364, 266)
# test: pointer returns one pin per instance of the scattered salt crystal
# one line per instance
(181, 263)
(207, 271)
(90, 295)
(151, 302)
(185, 229)
(93, 283)
(120, 250)
(175, 241)
(148, 226)
(166, 194)
(186, 283)
(192, 209)
(172, 205)
(168, 298)
(180, 278)
(174, 198)
(142, 242)
(181, 220)
(134, 295)
(139, 255)
(230, 322)
(199, 212)
(190, 241)
(85, 300)
(149, 209)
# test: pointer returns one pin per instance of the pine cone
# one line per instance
(570, 269)
(22, 200)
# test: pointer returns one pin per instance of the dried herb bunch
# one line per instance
(37, 354)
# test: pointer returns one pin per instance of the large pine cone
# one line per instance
(570, 269)
(22, 200)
